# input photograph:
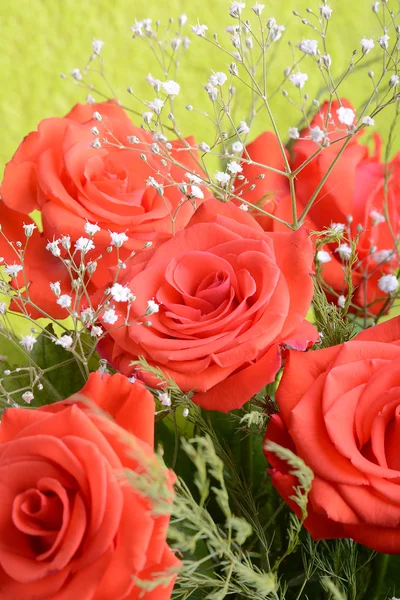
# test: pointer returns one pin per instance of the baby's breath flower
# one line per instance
(64, 301)
(337, 227)
(84, 245)
(383, 256)
(194, 178)
(222, 177)
(28, 341)
(309, 47)
(117, 239)
(154, 82)
(152, 307)
(171, 87)
(327, 60)
(76, 74)
(156, 106)
(65, 341)
(91, 228)
(182, 20)
(341, 301)
(323, 257)
(137, 28)
(212, 91)
(298, 79)
(294, 133)
(344, 251)
(394, 81)
(147, 117)
(196, 192)
(27, 397)
(383, 41)
(275, 32)
(87, 315)
(346, 115)
(29, 229)
(94, 131)
(13, 270)
(257, 9)
(120, 293)
(110, 316)
(90, 99)
(97, 116)
(243, 128)
(97, 46)
(375, 7)
(326, 11)
(164, 398)
(200, 30)
(388, 283)
(204, 147)
(367, 44)
(218, 78)
(234, 167)
(96, 144)
(368, 121)
(3, 308)
(236, 8)
(244, 207)
(237, 147)
(151, 182)
(185, 412)
(317, 135)
(66, 242)
(53, 248)
(96, 331)
(55, 288)
(233, 69)
(377, 217)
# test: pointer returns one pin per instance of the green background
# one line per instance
(39, 39)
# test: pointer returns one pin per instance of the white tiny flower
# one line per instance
(94, 131)
(96, 144)
(28, 341)
(90, 99)
(344, 251)
(317, 135)
(156, 106)
(204, 147)
(377, 217)
(218, 78)
(97, 116)
(275, 32)
(64, 301)
(110, 316)
(243, 128)
(298, 79)
(244, 207)
(234, 167)
(200, 30)
(185, 412)
(222, 177)
(132, 379)
(212, 91)
(97, 46)
(182, 20)
(337, 227)
(368, 121)
(120, 293)
(27, 397)
(194, 178)
(383, 41)
(375, 7)
(237, 147)
(346, 115)
(154, 82)
(171, 87)
(137, 28)
(164, 398)
(150, 181)
(257, 9)
(327, 60)
(341, 301)
(383, 256)
(84, 245)
(66, 242)
(196, 192)
(29, 229)
(326, 11)
(65, 341)
(53, 248)
(152, 307)
(147, 117)
(3, 308)
(249, 42)
(76, 74)
(87, 315)
(55, 288)
(236, 8)
(294, 133)
(388, 283)
(394, 81)
(13, 270)
(309, 47)
(91, 228)
(236, 42)
(323, 257)
(233, 69)
(96, 331)
(367, 44)
(117, 239)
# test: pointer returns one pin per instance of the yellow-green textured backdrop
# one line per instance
(41, 38)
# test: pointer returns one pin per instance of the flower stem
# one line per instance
(379, 568)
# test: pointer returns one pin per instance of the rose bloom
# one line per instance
(229, 296)
(57, 171)
(69, 527)
(340, 412)
(355, 188)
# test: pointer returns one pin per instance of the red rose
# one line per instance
(68, 528)
(229, 296)
(57, 171)
(354, 188)
(340, 412)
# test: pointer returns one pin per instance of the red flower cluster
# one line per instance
(353, 195)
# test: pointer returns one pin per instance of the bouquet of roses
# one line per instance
(200, 370)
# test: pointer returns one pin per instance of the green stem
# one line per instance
(246, 458)
(379, 568)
